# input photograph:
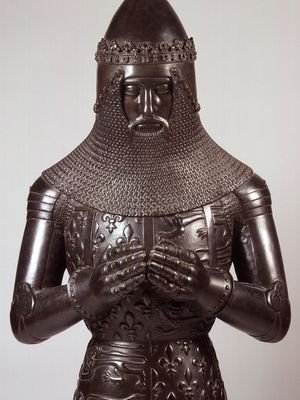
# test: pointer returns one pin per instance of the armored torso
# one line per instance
(147, 336)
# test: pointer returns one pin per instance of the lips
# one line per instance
(148, 127)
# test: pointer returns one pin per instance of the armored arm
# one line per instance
(259, 302)
(41, 307)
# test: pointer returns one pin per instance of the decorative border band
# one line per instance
(127, 52)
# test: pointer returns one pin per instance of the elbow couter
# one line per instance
(21, 312)
(20, 330)
(283, 326)
(280, 327)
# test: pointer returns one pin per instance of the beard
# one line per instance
(113, 127)
(146, 175)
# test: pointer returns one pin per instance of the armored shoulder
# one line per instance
(41, 200)
(254, 197)
(47, 203)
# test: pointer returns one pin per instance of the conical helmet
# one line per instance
(146, 32)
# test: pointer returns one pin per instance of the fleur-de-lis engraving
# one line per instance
(128, 237)
(112, 221)
(82, 219)
(188, 386)
(201, 365)
(74, 237)
(169, 363)
(97, 237)
(145, 307)
(130, 326)
(98, 327)
(185, 346)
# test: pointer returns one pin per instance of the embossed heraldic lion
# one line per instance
(147, 215)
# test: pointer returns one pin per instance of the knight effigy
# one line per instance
(147, 215)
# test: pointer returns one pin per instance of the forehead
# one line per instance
(145, 71)
(146, 80)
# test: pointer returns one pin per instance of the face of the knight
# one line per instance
(147, 102)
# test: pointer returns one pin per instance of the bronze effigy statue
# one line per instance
(147, 215)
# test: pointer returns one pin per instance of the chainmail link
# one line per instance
(147, 175)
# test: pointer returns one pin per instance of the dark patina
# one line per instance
(147, 215)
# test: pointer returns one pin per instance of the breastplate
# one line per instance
(147, 342)
(143, 315)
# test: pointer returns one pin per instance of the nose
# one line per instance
(148, 102)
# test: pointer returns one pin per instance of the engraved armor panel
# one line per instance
(179, 370)
(144, 315)
(156, 345)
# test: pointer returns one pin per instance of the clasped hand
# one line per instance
(177, 272)
(174, 272)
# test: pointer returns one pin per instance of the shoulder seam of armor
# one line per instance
(42, 186)
(254, 184)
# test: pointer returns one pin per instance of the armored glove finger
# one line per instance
(122, 264)
(171, 266)
(180, 274)
(94, 291)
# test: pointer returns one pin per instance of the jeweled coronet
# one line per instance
(128, 52)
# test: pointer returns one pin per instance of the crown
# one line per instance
(128, 52)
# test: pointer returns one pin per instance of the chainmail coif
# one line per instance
(147, 175)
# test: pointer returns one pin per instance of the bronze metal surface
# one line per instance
(148, 215)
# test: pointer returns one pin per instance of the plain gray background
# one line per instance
(248, 83)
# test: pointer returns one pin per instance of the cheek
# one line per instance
(163, 105)
(132, 107)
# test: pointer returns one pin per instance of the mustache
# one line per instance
(142, 119)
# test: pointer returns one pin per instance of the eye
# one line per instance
(132, 90)
(164, 88)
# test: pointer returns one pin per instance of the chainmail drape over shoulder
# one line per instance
(152, 175)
